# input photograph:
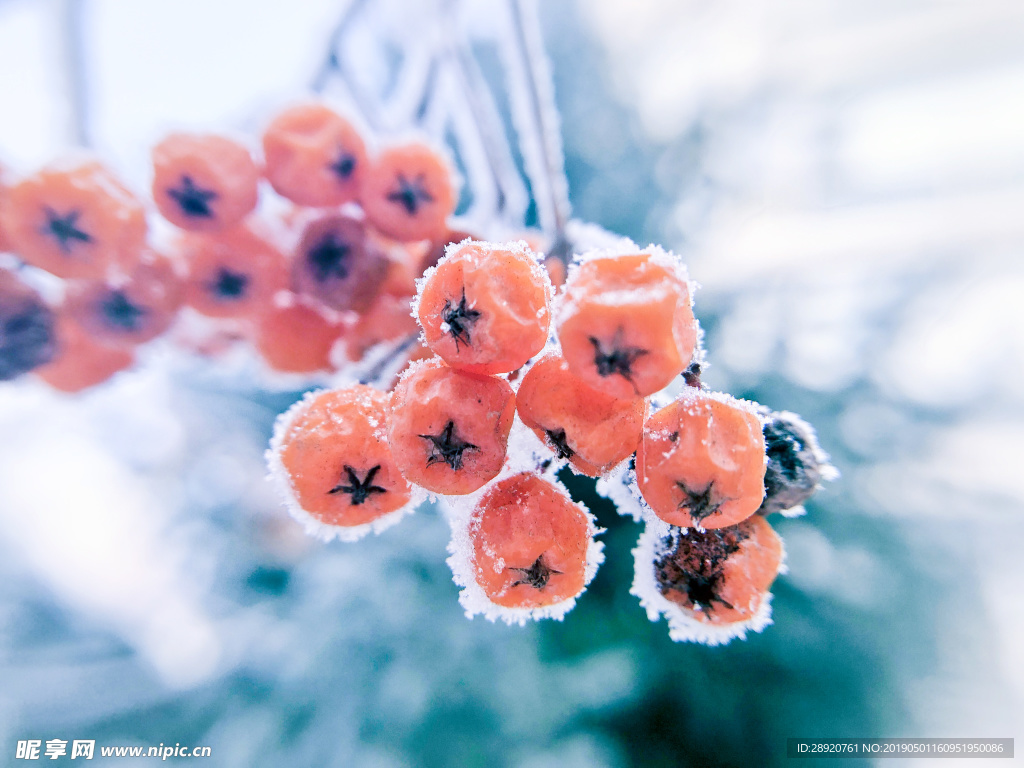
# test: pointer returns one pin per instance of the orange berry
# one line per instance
(530, 543)
(232, 274)
(407, 193)
(333, 448)
(594, 431)
(702, 461)
(80, 361)
(296, 338)
(484, 307)
(449, 429)
(719, 576)
(202, 182)
(74, 222)
(27, 334)
(337, 264)
(314, 156)
(625, 323)
(128, 311)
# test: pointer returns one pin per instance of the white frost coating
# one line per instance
(619, 486)
(281, 480)
(682, 627)
(526, 453)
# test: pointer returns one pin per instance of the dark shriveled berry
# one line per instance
(794, 463)
(691, 568)
(27, 338)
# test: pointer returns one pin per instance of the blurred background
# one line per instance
(845, 181)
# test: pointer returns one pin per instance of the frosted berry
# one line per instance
(625, 323)
(74, 222)
(334, 450)
(407, 193)
(449, 429)
(701, 461)
(484, 308)
(591, 429)
(313, 156)
(530, 543)
(794, 462)
(719, 576)
(203, 183)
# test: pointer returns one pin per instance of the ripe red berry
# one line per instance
(233, 273)
(591, 429)
(407, 193)
(701, 461)
(337, 264)
(530, 543)
(131, 309)
(203, 183)
(449, 429)
(314, 156)
(296, 338)
(80, 361)
(74, 221)
(719, 576)
(484, 307)
(332, 459)
(625, 322)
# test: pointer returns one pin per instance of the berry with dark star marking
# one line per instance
(485, 307)
(359, 490)
(333, 449)
(407, 193)
(204, 182)
(530, 543)
(193, 201)
(719, 576)
(449, 429)
(232, 274)
(140, 306)
(625, 322)
(27, 333)
(701, 461)
(338, 263)
(592, 429)
(76, 221)
(313, 156)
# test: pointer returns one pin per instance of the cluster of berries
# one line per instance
(313, 273)
(527, 379)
